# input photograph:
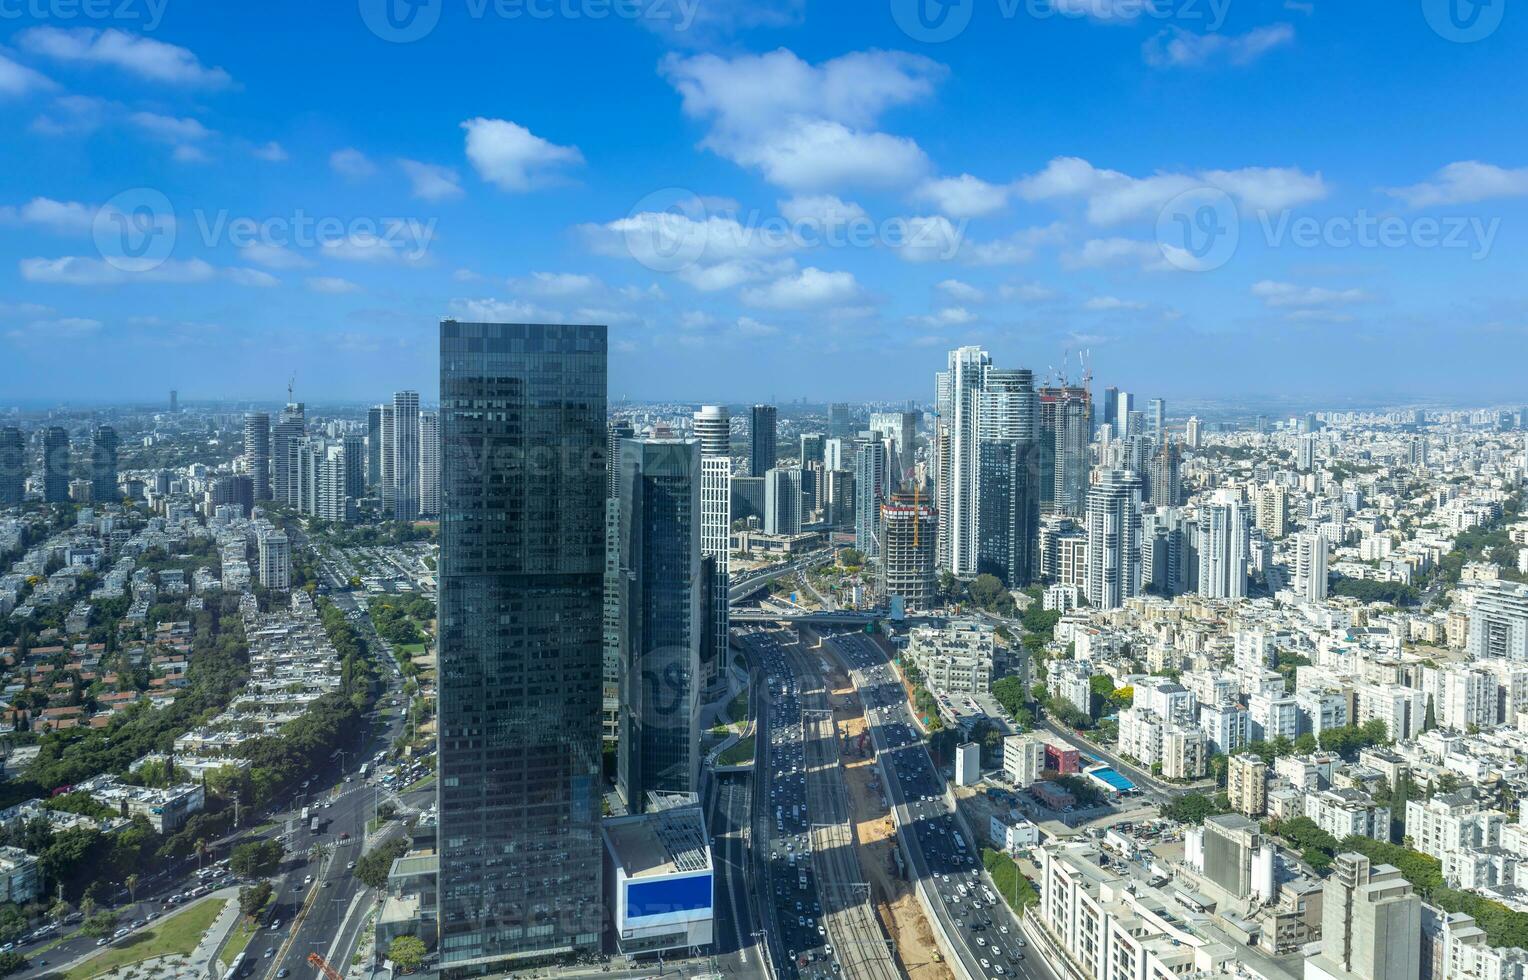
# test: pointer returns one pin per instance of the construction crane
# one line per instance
(329, 972)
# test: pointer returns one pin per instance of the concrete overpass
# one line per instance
(838, 617)
(741, 588)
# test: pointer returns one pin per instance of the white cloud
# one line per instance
(808, 127)
(69, 326)
(513, 158)
(710, 249)
(961, 292)
(1015, 249)
(1286, 295)
(65, 217)
(733, 273)
(141, 56)
(332, 285)
(1107, 304)
(273, 256)
(17, 80)
(929, 239)
(702, 24)
(502, 311)
(822, 211)
(431, 181)
(1104, 252)
(1113, 197)
(351, 163)
(271, 152)
(405, 242)
(1027, 292)
(72, 114)
(26, 309)
(964, 196)
(251, 277)
(557, 284)
(747, 326)
(950, 316)
(811, 287)
(1464, 182)
(73, 270)
(169, 129)
(1178, 48)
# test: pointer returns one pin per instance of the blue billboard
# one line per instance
(668, 896)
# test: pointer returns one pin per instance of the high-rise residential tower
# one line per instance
(617, 431)
(429, 464)
(1310, 569)
(1114, 538)
(1224, 543)
(103, 465)
(763, 453)
(521, 569)
(13, 468)
(663, 623)
(840, 421)
(374, 446)
(291, 426)
(960, 387)
(713, 427)
(257, 452)
(385, 460)
(405, 456)
(55, 465)
(1008, 477)
(870, 481)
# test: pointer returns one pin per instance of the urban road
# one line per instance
(984, 933)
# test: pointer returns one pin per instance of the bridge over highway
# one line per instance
(753, 582)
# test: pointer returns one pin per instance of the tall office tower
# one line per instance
(1111, 408)
(356, 459)
(306, 461)
(1073, 428)
(174, 401)
(429, 463)
(385, 466)
(275, 561)
(908, 534)
(841, 421)
(1135, 455)
(713, 427)
(814, 448)
(1499, 622)
(782, 500)
(716, 548)
(610, 652)
(520, 628)
(616, 433)
(1008, 477)
(1166, 477)
(291, 425)
(1114, 538)
(837, 454)
(1307, 423)
(967, 373)
(55, 465)
(1135, 426)
(1224, 543)
(1371, 924)
(333, 502)
(1273, 510)
(901, 429)
(1122, 415)
(1310, 581)
(1156, 420)
(1305, 453)
(374, 446)
(257, 453)
(406, 456)
(1191, 432)
(763, 454)
(225, 491)
(663, 624)
(13, 466)
(1418, 452)
(103, 465)
(870, 480)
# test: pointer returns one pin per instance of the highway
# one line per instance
(862, 948)
(728, 800)
(742, 588)
(982, 930)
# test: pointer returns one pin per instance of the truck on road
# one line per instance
(315, 824)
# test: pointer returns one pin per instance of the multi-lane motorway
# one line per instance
(982, 930)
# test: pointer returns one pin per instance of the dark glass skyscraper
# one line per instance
(374, 446)
(257, 452)
(13, 468)
(55, 465)
(763, 453)
(663, 618)
(521, 575)
(103, 465)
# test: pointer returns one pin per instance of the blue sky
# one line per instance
(784, 198)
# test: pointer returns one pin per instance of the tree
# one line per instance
(100, 924)
(1430, 717)
(252, 898)
(407, 953)
(1305, 743)
(256, 858)
(131, 881)
(1190, 808)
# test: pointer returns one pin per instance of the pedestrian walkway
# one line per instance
(195, 966)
